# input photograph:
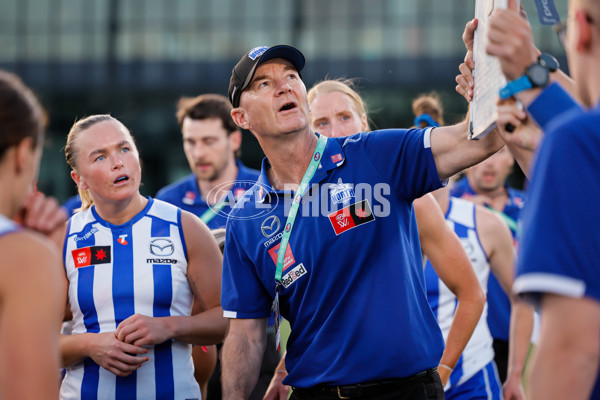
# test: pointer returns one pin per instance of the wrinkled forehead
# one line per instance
(271, 66)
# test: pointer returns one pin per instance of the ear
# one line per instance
(24, 153)
(583, 41)
(239, 117)
(78, 181)
(235, 140)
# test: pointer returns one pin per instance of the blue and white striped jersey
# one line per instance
(115, 271)
(479, 351)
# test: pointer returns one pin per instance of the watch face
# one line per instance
(538, 75)
(548, 61)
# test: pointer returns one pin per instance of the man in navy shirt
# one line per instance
(558, 265)
(211, 142)
(350, 280)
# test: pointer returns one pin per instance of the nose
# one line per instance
(117, 162)
(284, 86)
(337, 130)
(198, 150)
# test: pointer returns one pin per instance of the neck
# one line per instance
(290, 159)
(118, 213)
(7, 205)
(7, 208)
(223, 182)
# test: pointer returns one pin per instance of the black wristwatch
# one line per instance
(536, 75)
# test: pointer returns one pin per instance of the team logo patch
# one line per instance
(336, 158)
(91, 255)
(162, 247)
(518, 202)
(341, 192)
(351, 216)
(189, 198)
(293, 275)
(238, 193)
(256, 52)
(317, 156)
(288, 260)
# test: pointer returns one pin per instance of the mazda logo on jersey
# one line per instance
(162, 247)
(351, 216)
(92, 255)
(270, 226)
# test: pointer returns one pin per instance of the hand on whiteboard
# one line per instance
(465, 80)
(511, 41)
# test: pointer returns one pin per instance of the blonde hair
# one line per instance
(72, 152)
(345, 86)
(431, 105)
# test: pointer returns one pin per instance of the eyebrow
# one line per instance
(261, 77)
(319, 120)
(104, 149)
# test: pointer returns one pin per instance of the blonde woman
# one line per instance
(134, 265)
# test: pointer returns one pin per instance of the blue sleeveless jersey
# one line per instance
(115, 271)
(478, 351)
(498, 302)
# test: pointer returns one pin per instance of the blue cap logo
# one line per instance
(257, 52)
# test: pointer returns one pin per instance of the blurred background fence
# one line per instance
(135, 58)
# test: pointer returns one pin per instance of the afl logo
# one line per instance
(288, 227)
(161, 247)
(317, 156)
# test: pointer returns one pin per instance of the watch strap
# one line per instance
(514, 87)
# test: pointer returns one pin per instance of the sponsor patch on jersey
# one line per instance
(336, 158)
(162, 247)
(351, 216)
(270, 226)
(273, 239)
(86, 235)
(123, 240)
(288, 260)
(161, 261)
(92, 255)
(293, 275)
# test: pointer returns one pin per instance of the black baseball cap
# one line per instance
(243, 72)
